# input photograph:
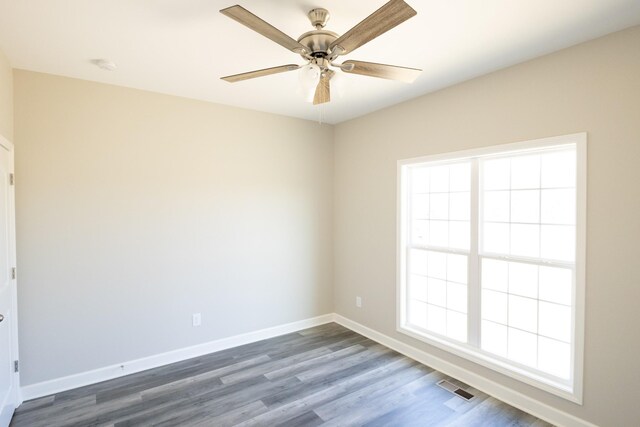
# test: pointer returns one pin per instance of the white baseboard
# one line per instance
(6, 412)
(81, 379)
(505, 394)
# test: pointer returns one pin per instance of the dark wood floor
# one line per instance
(326, 375)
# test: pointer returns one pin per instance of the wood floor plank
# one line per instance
(274, 365)
(367, 409)
(43, 416)
(232, 417)
(327, 375)
(306, 419)
(39, 403)
(296, 407)
(426, 408)
(84, 416)
(209, 375)
(343, 363)
(182, 403)
(362, 398)
(341, 381)
(195, 412)
(304, 365)
(307, 344)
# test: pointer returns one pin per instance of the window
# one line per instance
(491, 257)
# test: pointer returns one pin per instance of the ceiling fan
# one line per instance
(320, 48)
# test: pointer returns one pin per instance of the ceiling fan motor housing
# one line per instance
(318, 42)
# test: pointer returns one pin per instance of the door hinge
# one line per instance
(16, 366)
(13, 273)
(11, 179)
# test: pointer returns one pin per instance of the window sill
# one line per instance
(472, 354)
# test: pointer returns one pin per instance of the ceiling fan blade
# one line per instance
(260, 73)
(258, 25)
(382, 20)
(323, 90)
(391, 72)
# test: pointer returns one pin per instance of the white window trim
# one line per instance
(571, 391)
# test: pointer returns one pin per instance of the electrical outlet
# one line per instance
(197, 319)
(359, 302)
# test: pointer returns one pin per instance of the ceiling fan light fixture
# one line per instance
(309, 76)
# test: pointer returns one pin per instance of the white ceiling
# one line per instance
(183, 47)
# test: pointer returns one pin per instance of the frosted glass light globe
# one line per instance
(309, 76)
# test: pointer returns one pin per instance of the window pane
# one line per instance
(554, 357)
(437, 319)
(525, 171)
(439, 233)
(494, 338)
(558, 206)
(437, 265)
(439, 179)
(420, 180)
(494, 306)
(418, 287)
(457, 326)
(419, 232)
(418, 261)
(460, 177)
(418, 313)
(437, 293)
(496, 174)
(459, 235)
(420, 206)
(459, 206)
(555, 321)
(522, 347)
(523, 279)
(559, 169)
(495, 274)
(555, 285)
(558, 242)
(525, 206)
(523, 313)
(457, 268)
(496, 238)
(525, 240)
(439, 206)
(496, 206)
(457, 297)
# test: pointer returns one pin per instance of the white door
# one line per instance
(9, 396)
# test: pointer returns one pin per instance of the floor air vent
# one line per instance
(452, 388)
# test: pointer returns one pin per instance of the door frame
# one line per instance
(15, 398)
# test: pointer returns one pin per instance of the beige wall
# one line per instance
(135, 210)
(6, 98)
(593, 87)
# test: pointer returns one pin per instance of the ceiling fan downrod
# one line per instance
(319, 17)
